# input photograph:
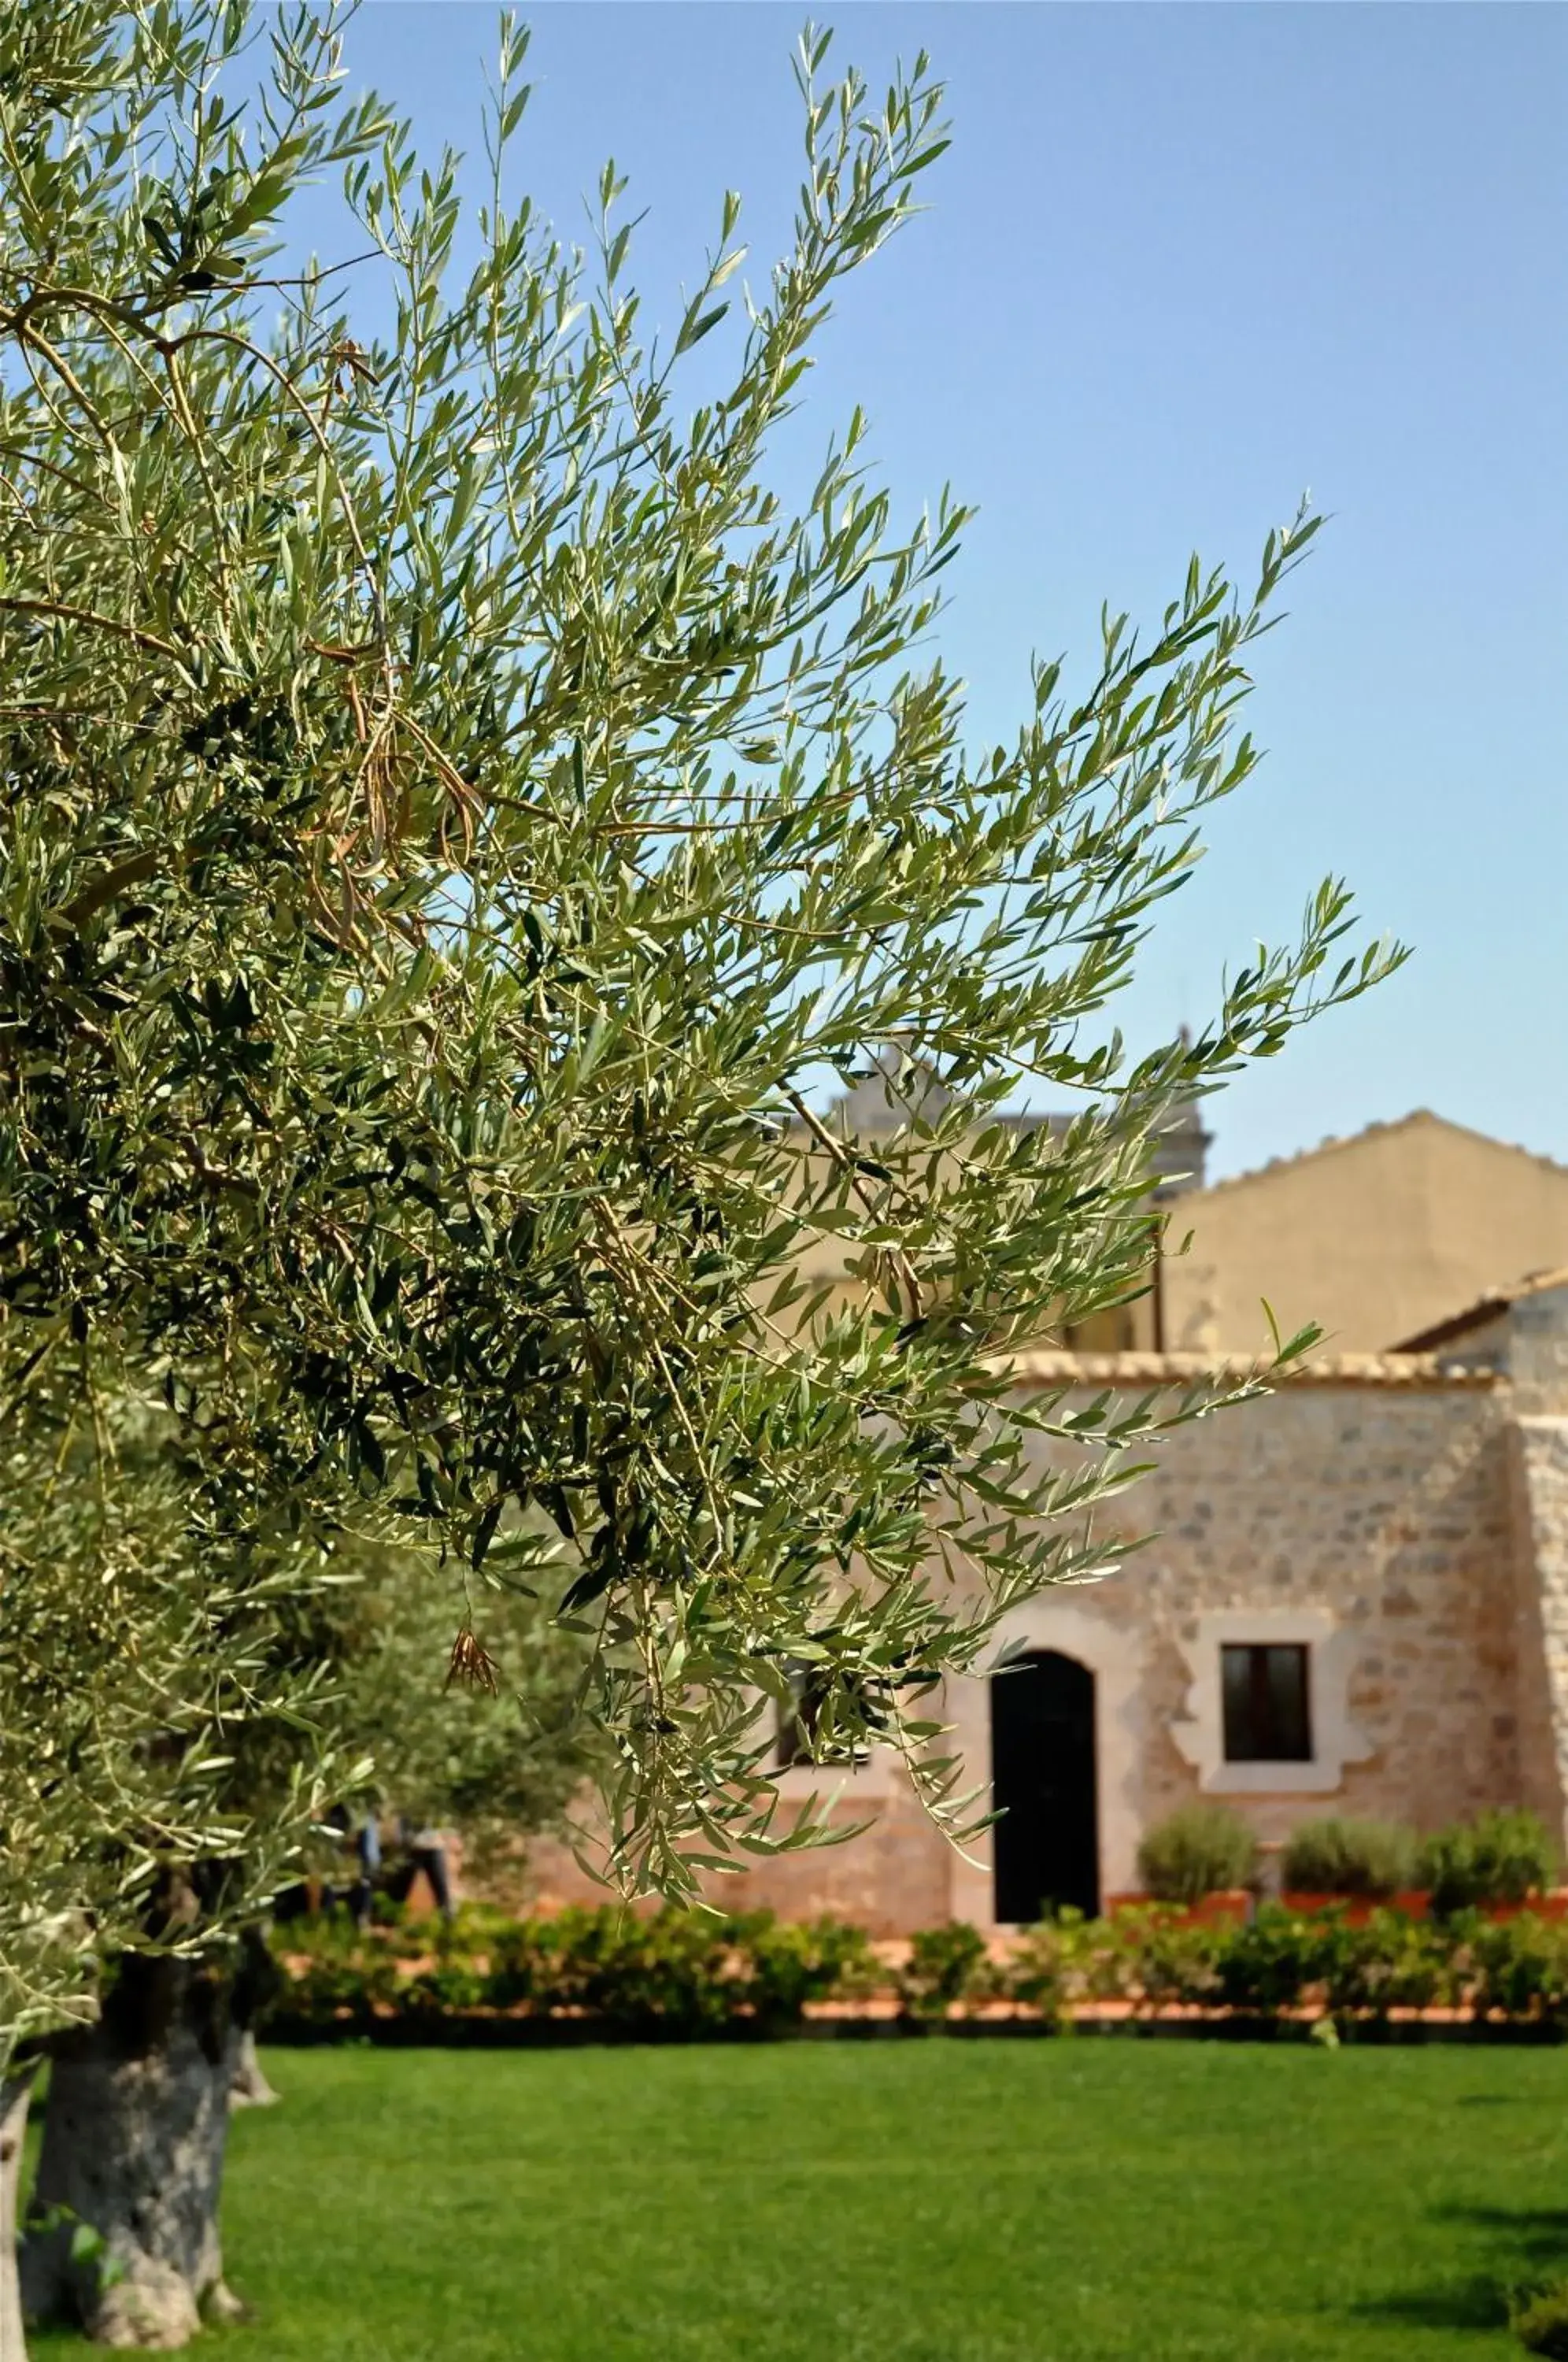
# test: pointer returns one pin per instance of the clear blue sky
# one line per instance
(1182, 263)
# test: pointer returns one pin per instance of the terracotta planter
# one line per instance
(1553, 1905)
(1231, 1908)
(1357, 1908)
(1354, 1908)
(1417, 1905)
(1228, 1907)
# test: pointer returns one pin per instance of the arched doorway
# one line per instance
(1047, 1845)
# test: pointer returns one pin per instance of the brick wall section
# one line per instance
(891, 1879)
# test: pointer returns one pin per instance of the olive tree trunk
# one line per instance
(16, 2090)
(133, 2149)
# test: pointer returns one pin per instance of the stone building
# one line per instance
(1355, 1601)
(1355, 1598)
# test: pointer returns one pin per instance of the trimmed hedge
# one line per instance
(682, 1973)
(689, 1976)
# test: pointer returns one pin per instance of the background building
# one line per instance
(1355, 1596)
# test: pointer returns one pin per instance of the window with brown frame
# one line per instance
(1265, 1689)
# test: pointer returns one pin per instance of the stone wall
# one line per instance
(1539, 1456)
(1371, 1519)
(1386, 1509)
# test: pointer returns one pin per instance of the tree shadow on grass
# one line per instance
(1479, 2303)
(1531, 2246)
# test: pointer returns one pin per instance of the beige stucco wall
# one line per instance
(1374, 1238)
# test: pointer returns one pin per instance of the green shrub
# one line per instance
(672, 1972)
(1066, 1960)
(1393, 1963)
(947, 1964)
(1499, 1857)
(518, 1967)
(1373, 1859)
(677, 1970)
(1274, 1963)
(784, 1965)
(1200, 1850)
(1038, 1973)
(473, 1927)
(1520, 1967)
(441, 1991)
(1162, 1964)
(337, 1990)
(1541, 2322)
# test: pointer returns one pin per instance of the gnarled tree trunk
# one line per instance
(16, 2090)
(133, 2147)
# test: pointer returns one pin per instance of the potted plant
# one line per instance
(1352, 1865)
(1204, 1859)
(1501, 1862)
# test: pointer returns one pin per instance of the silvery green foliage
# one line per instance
(456, 818)
(147, 1789)
(495, 1761)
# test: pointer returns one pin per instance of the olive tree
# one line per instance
(131, 1690)
(457, 818)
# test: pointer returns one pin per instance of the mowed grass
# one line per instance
(1085, 2201)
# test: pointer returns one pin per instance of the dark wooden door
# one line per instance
(1047, 1845)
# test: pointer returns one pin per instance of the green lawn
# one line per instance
(939, 2202)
